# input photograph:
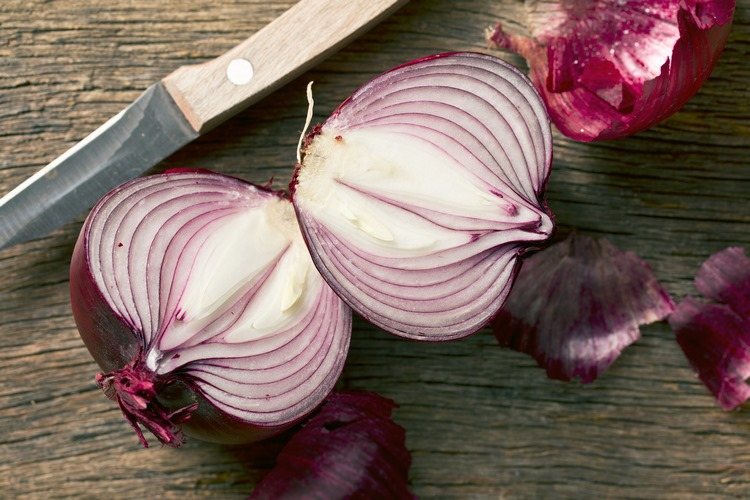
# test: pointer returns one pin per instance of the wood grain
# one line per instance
(481, 421)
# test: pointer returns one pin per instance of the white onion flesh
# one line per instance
(417, 195)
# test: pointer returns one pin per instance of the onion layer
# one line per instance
(420, 191)
(577, 304)
(195, 294)
(608, 69)
(715, 336)
(350, 448)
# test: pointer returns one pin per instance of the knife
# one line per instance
(181, 107)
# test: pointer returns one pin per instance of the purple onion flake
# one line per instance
(715, 337)
(351, 448)
(577, 304)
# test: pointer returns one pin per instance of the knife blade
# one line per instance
(181, 107)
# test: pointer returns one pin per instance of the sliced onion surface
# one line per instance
(202, 286)
(417, 195)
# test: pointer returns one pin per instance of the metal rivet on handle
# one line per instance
(240, 71)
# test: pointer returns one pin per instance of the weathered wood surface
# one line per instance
(481, 421)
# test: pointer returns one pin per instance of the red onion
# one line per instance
(420, 191)
(350, 448)
(195, 294)
(715, 336)
(608, 69)
(577, 304)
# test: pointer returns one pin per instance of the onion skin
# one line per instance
(93, 315)
(577, 304)
(715, 336)
(350, 448)
(589, 99)
(115, 347)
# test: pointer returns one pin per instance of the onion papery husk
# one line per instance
(202, 392)
(715, 336)
(609, 69)
(577, 304)
(350, 448)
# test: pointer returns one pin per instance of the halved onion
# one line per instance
(350, 448)
(715, 334)
(196, 295)
(420, 191)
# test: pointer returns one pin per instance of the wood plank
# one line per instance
(481, 421)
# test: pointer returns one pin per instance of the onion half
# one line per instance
(608, 69)
(196, 295)
(420, 191)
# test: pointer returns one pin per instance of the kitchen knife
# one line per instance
(181, 107)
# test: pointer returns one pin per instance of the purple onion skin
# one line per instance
(603, 104)
(577, 304)
(350, 448)
(715, 336)
(93, 315)
(113, 345)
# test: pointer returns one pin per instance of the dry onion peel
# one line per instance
(608, 69)
(715, 337)
(577, 304)
(350, 448)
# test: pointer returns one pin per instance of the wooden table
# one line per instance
(480, 420)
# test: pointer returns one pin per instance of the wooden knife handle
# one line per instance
(211, 92)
